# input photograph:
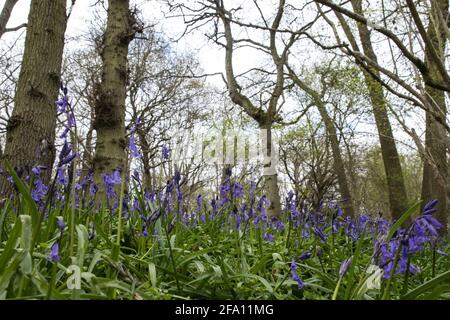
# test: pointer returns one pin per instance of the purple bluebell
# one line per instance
(135, 176)
(61, 225)
(132, 144)
(61, 177)
(262, 205)
(177, 177)
(345, 266)
(305, 231)
(170, 227)
(295, 275)
(318, 231)
(165, 152)
(93, 189)
(62, 104)
(39, 191)
(154, 216)
(144, 230)
(305, 256)
(54, 254)
(224, 191)
(38, 170)
(110, 181)
(238, 221)
(65, 155)
(238, 190)
(71, 120)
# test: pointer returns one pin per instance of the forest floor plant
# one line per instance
(57, 242)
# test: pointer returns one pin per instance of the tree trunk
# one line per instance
(110, 105)
(30, 135)
(435, 170)
(270, 175)
(394, 176)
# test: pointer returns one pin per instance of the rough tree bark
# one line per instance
(30, 133)
(109, 120)
(435, 169)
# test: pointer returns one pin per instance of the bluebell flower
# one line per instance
(165, 152)
(61, 177)
(144, 230)
(345, 266)
(154, 216)
(318, 231)
(305, 256)
(179, 195)
(61, 224)
(39, 191)
(54, 254)
(38, 170)
(224, 191)
(295, 275)
(93, 189)
(65, 155)
(238, 190)
(177, 177)
(135, 176)
(132, 145)
(305, 231)
(280, 225)
(429, 208)
(62, 104)
(110, 182)
(170, 227)
(71, 120)
(262, 204)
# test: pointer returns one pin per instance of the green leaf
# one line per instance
(25, 239)
(264, 282)
(9, 271)
(401, 220)
(427, 286)
(25, 191)
(10, 244)
(83, 238)
(152, 274)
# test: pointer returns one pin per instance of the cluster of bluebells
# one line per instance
(64, 107)
(66, 156)
(235, 209)
(422, 231)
